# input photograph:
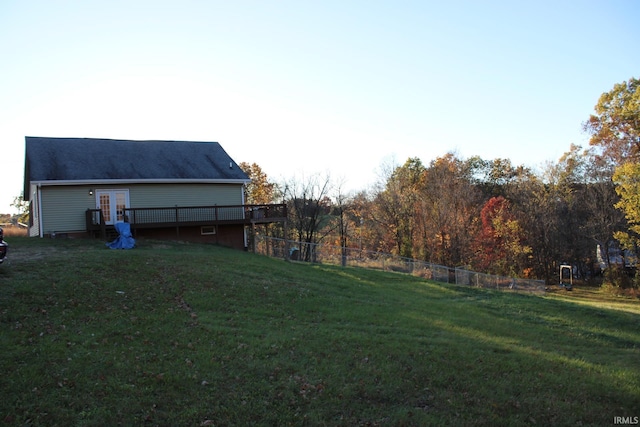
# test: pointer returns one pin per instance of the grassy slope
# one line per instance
(176, 334)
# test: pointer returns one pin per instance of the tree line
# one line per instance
(486, 214)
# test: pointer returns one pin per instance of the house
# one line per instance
(616, 256)
(165, 189)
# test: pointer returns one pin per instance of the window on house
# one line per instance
(208, 230)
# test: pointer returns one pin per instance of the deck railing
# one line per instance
(177, 216)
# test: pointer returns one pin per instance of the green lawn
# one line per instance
(184, 334)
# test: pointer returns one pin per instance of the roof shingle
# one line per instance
(82, 159)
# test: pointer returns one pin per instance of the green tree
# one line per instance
(627, 180)
(615, 129)
(615, 126)
(396, 204)
(493, 176)
(22, 207)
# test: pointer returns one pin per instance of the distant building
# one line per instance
(616, 256)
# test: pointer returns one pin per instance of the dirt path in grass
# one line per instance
(19, 254)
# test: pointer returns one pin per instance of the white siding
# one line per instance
(34, 198)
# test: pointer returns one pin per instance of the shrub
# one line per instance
(622, 281)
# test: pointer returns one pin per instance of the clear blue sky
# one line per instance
(303, 87)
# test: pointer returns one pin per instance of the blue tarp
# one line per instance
(125, 240)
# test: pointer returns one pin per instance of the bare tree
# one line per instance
(309, 207)
(340, 214)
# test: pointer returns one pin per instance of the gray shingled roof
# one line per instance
(87, 159)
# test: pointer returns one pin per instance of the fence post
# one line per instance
(135, 222)
(286, 244)
(462, 276)
(103, 227)
(177, 225)
(253, 235)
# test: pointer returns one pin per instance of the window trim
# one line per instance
(212, 230)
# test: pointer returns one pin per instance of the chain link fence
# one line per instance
(354, 257)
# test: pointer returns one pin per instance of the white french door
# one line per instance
(112, 203)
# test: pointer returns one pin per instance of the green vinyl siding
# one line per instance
(168, 195)
(64, 207)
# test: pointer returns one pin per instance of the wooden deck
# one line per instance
(189, 216)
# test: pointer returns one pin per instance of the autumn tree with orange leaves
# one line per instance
(500, 247)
